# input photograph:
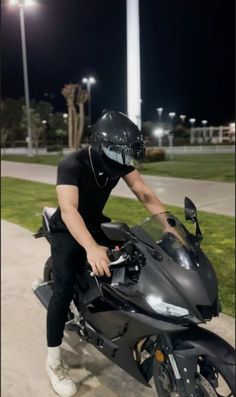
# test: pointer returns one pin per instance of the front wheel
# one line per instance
(210, 382)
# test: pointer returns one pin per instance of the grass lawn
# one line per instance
(22, 203)
(214, 167)
(51, 159)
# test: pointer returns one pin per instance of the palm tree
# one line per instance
(68, 92)
(76, 97)
(81, 99)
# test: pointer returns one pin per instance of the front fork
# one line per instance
(184, 368)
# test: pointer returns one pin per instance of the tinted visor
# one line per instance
(123, 154)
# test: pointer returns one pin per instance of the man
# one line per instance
(84, 183)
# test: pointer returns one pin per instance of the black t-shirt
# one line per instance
(76, 169)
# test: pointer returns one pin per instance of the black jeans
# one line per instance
(67, 257)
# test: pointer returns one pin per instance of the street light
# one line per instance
(232, 126)
(192, 122)
(159, 132)
(204, 123)
(22, 4)
(89, 80)
(159, 111)
(182, 117)
(172, 116)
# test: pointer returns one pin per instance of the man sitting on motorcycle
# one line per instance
(84, 183)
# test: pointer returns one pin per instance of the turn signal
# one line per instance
(159, 356)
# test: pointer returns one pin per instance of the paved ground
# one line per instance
(23, 331)
(216, 197)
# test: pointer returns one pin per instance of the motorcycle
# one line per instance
(146, 318)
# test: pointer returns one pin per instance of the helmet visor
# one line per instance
(123, 154)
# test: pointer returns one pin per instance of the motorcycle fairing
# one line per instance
(175, 285)
(118, 333)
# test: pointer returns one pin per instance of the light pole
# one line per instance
(172, 116)
(159, 132)
(192, 122)
(22, 4)
(133, 62)
(89, 80)
(182, 118)
(159, 111)
(204, 123)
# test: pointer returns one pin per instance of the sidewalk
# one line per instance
(215, 197)
(23, 331)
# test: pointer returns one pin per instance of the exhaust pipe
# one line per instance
(43, 291)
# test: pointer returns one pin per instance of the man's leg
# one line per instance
(67, 256)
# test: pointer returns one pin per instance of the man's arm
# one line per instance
(144, 193)
(68, 198)
(148, 198)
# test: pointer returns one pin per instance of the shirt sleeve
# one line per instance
(129, 169)
(67, 172)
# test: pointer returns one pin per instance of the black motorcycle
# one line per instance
(146, 317)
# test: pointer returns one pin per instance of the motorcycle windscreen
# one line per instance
(168, 232)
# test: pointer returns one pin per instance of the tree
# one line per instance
(11, 115)
(37, 127)
(81, 99)
(180, 132)
(57, 127)
(57, 122)
(76, 97)
(44, 109)
(68, 92)
(147, 129)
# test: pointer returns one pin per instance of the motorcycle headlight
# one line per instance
(165, 308)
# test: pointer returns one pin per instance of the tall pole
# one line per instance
(172, 116)
(89, 81)
(192, 131)
(89, 101)
(26, 84)
(133, 62)
(159, 111)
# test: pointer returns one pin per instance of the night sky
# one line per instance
(187, 54)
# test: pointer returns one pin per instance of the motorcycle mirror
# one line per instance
(190, 210)
(116, 231)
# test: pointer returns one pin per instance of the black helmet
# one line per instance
(118, 137)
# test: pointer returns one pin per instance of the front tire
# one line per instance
(206, 386)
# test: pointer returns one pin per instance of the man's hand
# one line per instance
(98, 260)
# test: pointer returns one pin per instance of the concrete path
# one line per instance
(23, 331)
(216, 197)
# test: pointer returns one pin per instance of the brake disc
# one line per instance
(204, 388)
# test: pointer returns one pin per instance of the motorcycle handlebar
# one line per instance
(120, 260)
(116, 258)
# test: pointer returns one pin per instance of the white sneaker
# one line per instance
(60, 379)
